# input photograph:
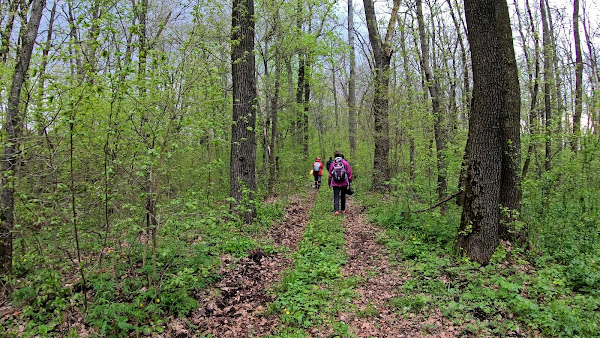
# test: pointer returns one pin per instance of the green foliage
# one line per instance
(557, 296)
(44, 298)
(142, 287)
(314, 290)
(414, 304)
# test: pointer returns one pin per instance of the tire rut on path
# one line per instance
(379, 282)
(237, 307)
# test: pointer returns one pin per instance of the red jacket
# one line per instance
(320, 169)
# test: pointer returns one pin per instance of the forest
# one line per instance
(155, 159)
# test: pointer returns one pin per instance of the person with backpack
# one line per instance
(317, 172)
(328, 165)
(340, 178)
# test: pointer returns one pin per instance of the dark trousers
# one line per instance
(337, 193)
(317, 180)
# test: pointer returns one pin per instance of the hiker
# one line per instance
(329, 163)
(317, 172)
(340, 178)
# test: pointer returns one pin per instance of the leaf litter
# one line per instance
(237, 306)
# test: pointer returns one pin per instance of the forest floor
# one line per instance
(237, 306)
(322, 276)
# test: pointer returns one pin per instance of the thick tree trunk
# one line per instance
(382, 55)
(510, 189)
(434, 91)
(12, 131)
(352, 80)
(243, 140)
(578, 79)
(479, 223)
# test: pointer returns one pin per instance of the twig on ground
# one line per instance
(440, 202)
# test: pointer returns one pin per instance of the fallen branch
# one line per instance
(440, 202)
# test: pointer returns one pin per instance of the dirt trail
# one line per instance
(236, 307)
(380, 281)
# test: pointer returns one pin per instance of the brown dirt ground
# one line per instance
(236, 307)
(379, 282)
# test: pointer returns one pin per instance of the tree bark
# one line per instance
(510, 189)
(382, 56)
(578, 79)
(548, 79)
(12, 131)
(274, 106)
(243, 139)
(478, 234)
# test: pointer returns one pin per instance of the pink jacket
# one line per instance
(344, 183)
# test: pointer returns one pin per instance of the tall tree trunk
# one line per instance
(150, 184)
(560, 107)
(243, 140)
(40, 123)
(434, 91)
(305, 104)
(595, 74)
(463, 57)
(274, 119)
(578, 79)
(335, 106)
(299, 128)
(510, 188)
(548, 79)
(382, 53)
(533, 87)
(478, 234)
(352, 80)
(407, 77)
(12, 131)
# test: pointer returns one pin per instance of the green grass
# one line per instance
(314, 290)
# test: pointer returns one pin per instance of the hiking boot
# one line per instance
(336, 213)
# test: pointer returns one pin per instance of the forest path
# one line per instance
(379, 283)
(236, 307)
